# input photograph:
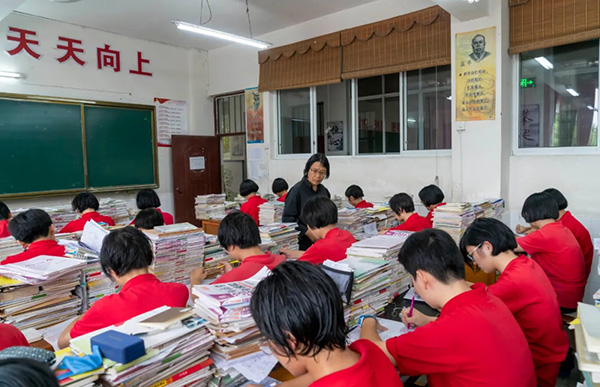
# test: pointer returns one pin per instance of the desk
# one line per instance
(43, 344)
(211, 226)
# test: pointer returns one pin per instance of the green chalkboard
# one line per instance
(120, 146)
(41, 147)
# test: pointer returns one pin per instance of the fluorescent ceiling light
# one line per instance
(449, 98)
(544, 62)
(10, 74)
(572, 91)
(221, 35)
(411, 120)
(472, 1)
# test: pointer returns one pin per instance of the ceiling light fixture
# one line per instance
(10, 74)
(221, 35)
(572, 91)
(472, 1)
(544, 62)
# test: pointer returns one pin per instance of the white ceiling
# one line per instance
(464, 11)
(151, 19)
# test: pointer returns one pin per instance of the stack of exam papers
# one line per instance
(210, 206)
(270, 212)
(116, 209)
(9, 246)
(353, 220)
(279, 236)
(454, 218)
(214, 257)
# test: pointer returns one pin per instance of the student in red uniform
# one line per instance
(33, 229)
(299, 310)
(475, 341)
(125, 257)
(249, 189)
(86, 205)
(147, 198)
(525, 289)
(280, 188)
(238, 234)
(354, 195)
(5, 216)
(555, 249)
(431, 196)
(11, 337)
(148, 219)
(321, 215)
(404, 211)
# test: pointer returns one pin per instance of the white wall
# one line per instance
(177, 74)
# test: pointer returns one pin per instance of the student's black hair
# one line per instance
(431, 195)
(539, 206)
(147, 198)
(279, 185)
(487, 230)
(85, 200)
(148, 219)
(354, 191)
(402, 201)
(299, 300)
(4, 211)
(435, 252)
(238, 229)
(319, 212)
(558, 197)
(124, 250)
(30, 225)
(247, 187)
(20, 372)
(317, 158)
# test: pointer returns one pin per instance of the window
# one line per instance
(558, 96)
(294, 121)
(428, 109)
(334, 119)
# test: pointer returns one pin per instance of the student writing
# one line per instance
(86, 205)
(404, 211)
(354, 195)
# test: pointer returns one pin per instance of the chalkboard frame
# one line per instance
(82, 103)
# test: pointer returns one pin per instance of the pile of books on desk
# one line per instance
(238, 342)
(280, 236)
(498, 206)
(454, 218)
(210, 206)
(116, 209)
(60, 214)
(270, 212)
(353, 220)
(178, 249)
(9, 246)
(214, 257)
(382, 215)
(339, 201)
(587, 342)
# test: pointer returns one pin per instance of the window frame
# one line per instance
(541, 151)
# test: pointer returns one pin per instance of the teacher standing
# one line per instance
(315, 171)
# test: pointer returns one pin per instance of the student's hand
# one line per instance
(310, 235)
(383, 231)
(197, 276)
(523, 229)
(226, 268)
(418, 319)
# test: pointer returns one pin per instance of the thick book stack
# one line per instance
(587, 342)
(60, 215)
(231, 206)
(116, 209)
(214, 257)
(177, 351)
(279, 236)
(270, 212)
(178, 249)
(382, 216)
(353, 220)
(498, 206)
(9, 246)
(210, 206)
(238, 340)
(338, 200)
(39, 292)
(454, 218)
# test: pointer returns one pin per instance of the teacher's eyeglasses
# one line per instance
(318, 172)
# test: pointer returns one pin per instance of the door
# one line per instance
(189, 178)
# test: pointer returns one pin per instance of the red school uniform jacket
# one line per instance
(250, 266)
(364, 204)
(373, 369)
(140, 294)
(332, 247)
(556, 250)
(475, 342)
(282, 199)
(429, 215)
(415, 223)
(250, 207)
(525, 289)
(583, 238)
(78, 224)
(4, 228)
(43, 247)
(11, 337)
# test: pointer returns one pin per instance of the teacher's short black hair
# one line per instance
(279, 185)
(125, 249)
(317, 158)
(489, 230)
(354, 191)
(30, 225)
(85, 201)
(435, 252)
(402, 201)
(558, 197)
(319, 212)
(147, 198)
(315, 318)
(22, 372)
(148, 219)
(4, 211)
(247, 187)
(238, 229)
(539, 206)
(431, 195)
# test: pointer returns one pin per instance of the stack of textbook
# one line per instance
(353, 220)
(9, 246)
(116, 209)
(454, 218)
(587, 342)
(210, 206)
(214, 257)
(270, 212)
(279, 236)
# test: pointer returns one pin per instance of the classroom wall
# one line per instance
(178, 73)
